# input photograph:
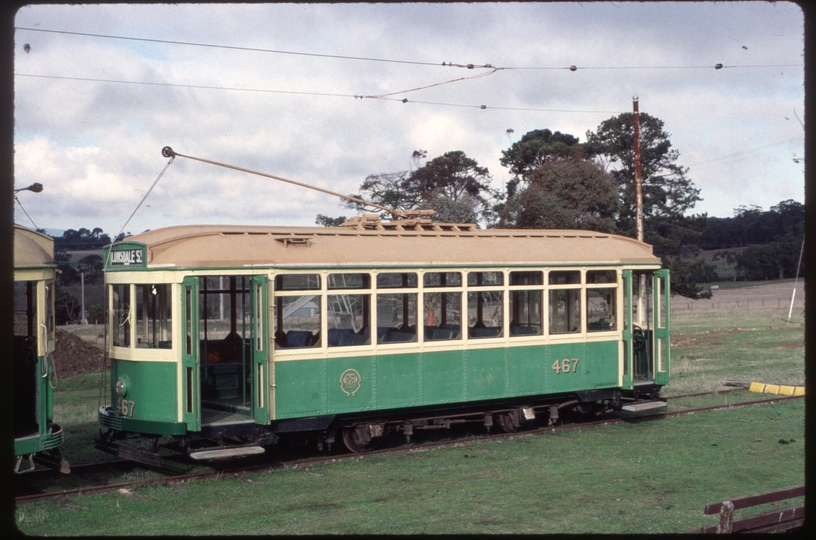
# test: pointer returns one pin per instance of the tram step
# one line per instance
(644, 406)
(227, 452)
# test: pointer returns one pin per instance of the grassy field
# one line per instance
(644, 477)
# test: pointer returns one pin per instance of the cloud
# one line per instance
(96, 146)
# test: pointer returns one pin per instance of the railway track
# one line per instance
(323, 459)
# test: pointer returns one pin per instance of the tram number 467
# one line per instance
(125, 407)
(567, 365)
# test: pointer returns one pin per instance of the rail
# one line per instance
(786, 519)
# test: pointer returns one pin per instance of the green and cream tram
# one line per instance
(36, 436)
(224, 338)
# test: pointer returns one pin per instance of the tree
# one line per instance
(453, 185)
(326, 221)
(538, 147)
(66, 307)
(668, 194)
(564, 195)
(388, 190)
(92, 266)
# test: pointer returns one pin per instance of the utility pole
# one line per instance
(638, 180)
(82, 319)
(638, 208)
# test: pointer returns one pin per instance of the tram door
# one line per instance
(260, 353)
(232, 348)
(191, 407)
(646, 327)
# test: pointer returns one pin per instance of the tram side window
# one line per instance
(443, 315)
(600, 300)
(396, 317)
(120, 295)
(565, 311)
(153, 321)
(526, 305)
(396, 312)
(349, 313)
(443, 309)
(297, 316)
(485, 307)
(298, 321)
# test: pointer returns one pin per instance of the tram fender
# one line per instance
(313, 423)
(597, 395)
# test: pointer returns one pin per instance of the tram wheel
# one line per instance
(586, 408)
(507, 423)
(354, 444)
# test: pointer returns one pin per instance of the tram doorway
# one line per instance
(229, 355)
(646, 327)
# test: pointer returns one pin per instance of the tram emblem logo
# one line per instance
(350, 381)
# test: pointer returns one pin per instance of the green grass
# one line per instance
(751, 346)
(616, 479)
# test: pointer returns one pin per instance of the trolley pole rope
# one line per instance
(169, 152)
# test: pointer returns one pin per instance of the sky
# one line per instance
(316, 93)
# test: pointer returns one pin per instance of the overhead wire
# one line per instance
(390, 60)
(303, 93)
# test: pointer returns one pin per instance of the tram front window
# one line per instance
(120, 295)
(153, 321)
(25, 308)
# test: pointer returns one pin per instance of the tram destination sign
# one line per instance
(126, 256)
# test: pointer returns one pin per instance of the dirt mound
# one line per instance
(73, 355)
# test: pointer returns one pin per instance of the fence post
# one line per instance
(726, 518)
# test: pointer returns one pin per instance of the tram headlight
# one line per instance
(121, 386)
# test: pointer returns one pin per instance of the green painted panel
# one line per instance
(343, 385)
(486, 374)
(601, 365)
(442, 380)
(352, 384)
(399, 381)
(572, 366)
(526, 370)
(151, 389)
(300, 388)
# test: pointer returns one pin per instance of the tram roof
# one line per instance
(236, 246)
(32, 248)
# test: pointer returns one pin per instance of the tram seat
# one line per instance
(523, 330)
(382, 331)
(440, 334)
(484, 332)
(336, 335)
(353, 339)
(601, 324)
(227, 351)
(299, 338)
(395, 336)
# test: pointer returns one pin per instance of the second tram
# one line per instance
(36, 437)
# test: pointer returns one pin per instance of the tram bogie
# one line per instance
(227, 338)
